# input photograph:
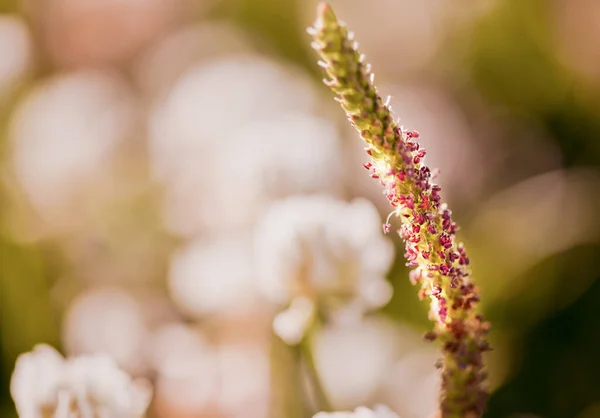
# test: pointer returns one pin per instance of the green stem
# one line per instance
(321, 398)
(286, 378)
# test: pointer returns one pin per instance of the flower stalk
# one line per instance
(440, 264)
(320, 394)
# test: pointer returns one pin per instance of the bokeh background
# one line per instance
(142, 139)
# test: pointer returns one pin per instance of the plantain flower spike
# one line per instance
(440, 264)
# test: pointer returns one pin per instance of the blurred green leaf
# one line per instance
(513, 59)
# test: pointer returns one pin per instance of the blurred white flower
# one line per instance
(268, 159)
(229, 184)
(16, 47)
(107, 321)
(244, 376)
(173, 345)
(291, 324)
(233, 134)
(390, 364)
(36, 381)
(354, 357)
(380, 411)
(185, 366)
(213, 277)
(64, 134)
(195, 378)
(109, 390)
(44, 383)
(291, 154)
(318, 246)
(212, 101)
(412, 385)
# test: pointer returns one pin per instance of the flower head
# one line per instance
(45, 384)
(427, 226)
(322, 251)
(203, 280)
(320, 247)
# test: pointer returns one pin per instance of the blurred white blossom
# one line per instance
(380, 411)
(318, 246)
(64, 134)
(412, 385)
(107, 321)
(353, 357)
(244, 376)
(213, 101)
(213, 277)
(44, 384)
(293, 154)
(195, 377)
(233, 134)
(185, 367)
(265, 160)
(36, 381)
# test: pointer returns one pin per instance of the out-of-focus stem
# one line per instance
(288, 398)
(321, 398)
(440, 263)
